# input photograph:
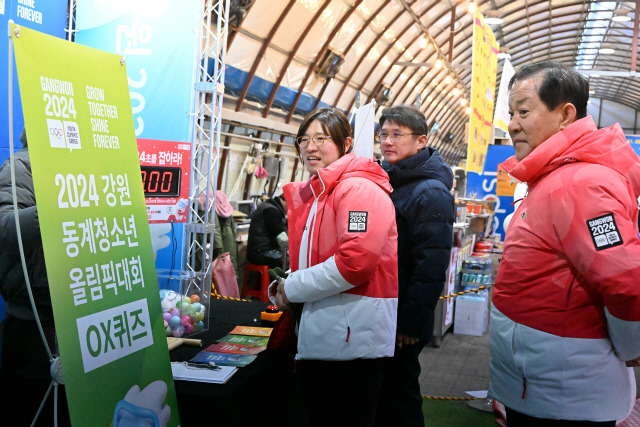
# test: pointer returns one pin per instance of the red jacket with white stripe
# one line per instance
(566, 311)
(350, 286)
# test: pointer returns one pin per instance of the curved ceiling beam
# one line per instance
(263, 48)
(319, 56)
(372, 69)
(293, 52)
(362, 58)
(436, 50)
(406, 48)
(234, 31)
(350, 45)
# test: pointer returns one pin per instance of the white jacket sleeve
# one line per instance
(326, 280)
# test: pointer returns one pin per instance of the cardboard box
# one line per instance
(471, 315)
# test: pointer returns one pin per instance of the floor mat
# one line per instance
(450, 413)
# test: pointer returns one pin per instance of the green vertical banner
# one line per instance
(95, 234)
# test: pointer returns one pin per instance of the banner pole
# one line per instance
(13, 191)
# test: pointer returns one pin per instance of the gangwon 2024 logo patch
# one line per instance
(604, 232)
(358, 221)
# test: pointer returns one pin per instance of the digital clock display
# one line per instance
(160, 181)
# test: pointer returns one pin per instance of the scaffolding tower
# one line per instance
(209, 90)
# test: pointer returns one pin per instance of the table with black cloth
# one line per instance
(263, 393)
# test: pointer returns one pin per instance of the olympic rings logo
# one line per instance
(56, 132)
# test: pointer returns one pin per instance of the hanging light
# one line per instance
(621, 16)
(448, 79)
(467, 110)
(492, 17)
(606, 50)
(423, 42)
(438, 63)
(472, 8)
(463, 102)
(456, 91)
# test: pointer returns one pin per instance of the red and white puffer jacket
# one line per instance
(344, 269)
(566, 304)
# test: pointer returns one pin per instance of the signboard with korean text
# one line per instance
(483, 85)
(165, 167)
(95, 236)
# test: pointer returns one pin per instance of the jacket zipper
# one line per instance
(346, 317)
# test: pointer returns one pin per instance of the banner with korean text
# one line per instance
(483, 86)
(95, 233)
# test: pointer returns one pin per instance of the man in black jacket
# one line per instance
(268, 233)
(425, 213)
(24, 372)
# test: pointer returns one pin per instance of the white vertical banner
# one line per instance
(501, 117)
(364, 129)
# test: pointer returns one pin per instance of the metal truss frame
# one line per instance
(209, 90)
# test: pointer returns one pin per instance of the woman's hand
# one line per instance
(402, 339)
(281, 298)
(634, 362)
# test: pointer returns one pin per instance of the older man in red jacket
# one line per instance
(566, 305)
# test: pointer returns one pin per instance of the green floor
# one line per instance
(447, 413)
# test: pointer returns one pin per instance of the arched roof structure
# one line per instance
(286, 57)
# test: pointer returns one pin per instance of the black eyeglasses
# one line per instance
(318, 140)
(395, 136)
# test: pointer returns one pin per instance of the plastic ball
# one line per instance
(174, 322)
(186, 300)
(198, 326)
(185, 320)
(168, 331)
(166, 316)
(175, 312)
(194, 299)
(178, 331)
(163, 293)
(188, 328)
(196, 306)
(166, 305)
(198, 317)
(185, 307)
(178, 305)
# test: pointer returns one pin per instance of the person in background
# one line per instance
(24, 372)
(225, 231)
(425, 212)
(566, 304)
(343, 251)
(268, 233)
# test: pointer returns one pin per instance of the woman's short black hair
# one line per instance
(334, 123)
(559, 83)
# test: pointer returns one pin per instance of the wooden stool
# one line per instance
(263, 292)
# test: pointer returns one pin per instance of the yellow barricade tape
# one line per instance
(481, 288)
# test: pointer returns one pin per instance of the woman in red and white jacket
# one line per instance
(343, 251)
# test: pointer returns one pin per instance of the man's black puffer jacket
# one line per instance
(425, 212)
(12, 284)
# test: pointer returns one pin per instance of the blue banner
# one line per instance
(633, 139)
(160, 41)
(483, 186)
(49, 17)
